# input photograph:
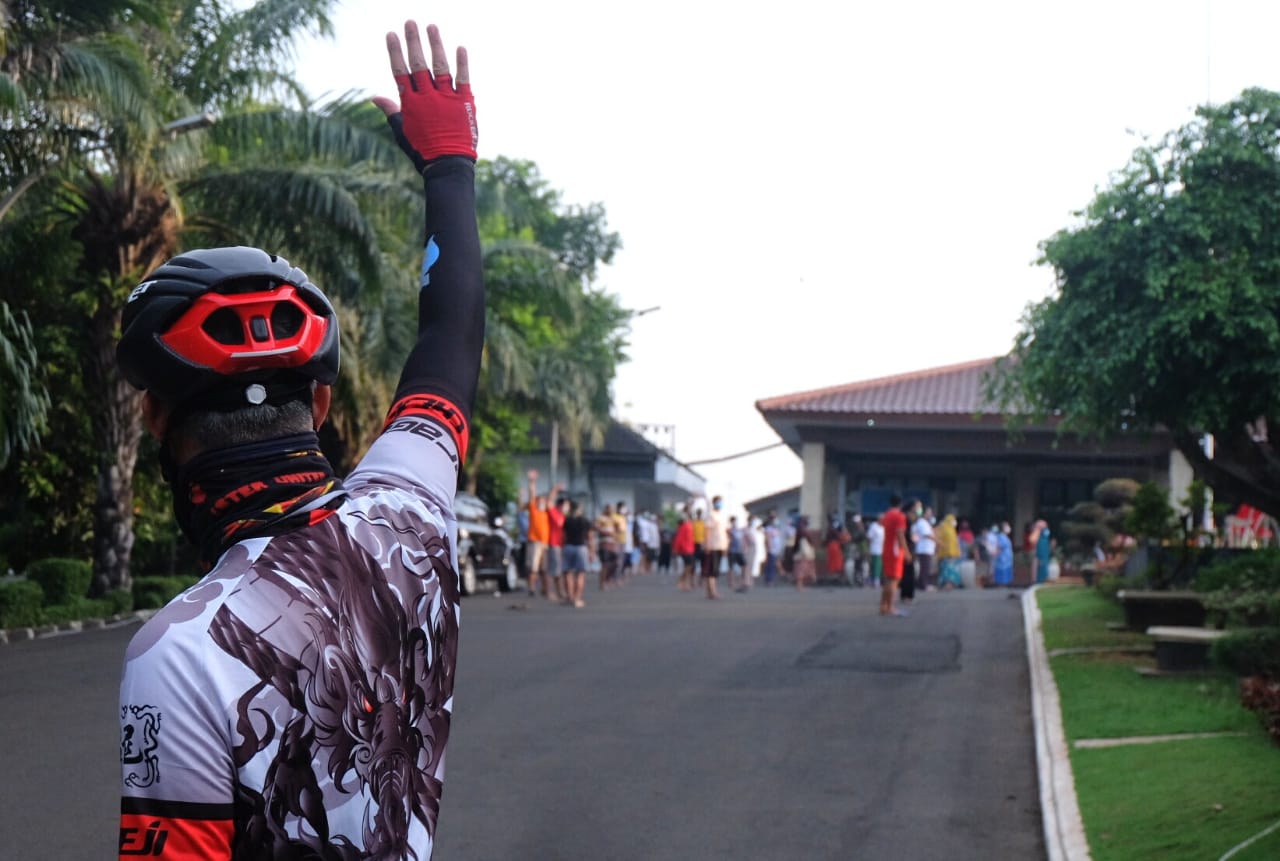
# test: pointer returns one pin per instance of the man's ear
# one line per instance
(155, 415)
(321, 398)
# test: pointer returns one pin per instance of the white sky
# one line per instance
(818, 192)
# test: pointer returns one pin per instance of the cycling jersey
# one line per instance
(295, 703)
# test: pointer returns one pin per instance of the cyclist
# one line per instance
(296, 702)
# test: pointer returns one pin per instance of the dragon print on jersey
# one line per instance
(345, 711)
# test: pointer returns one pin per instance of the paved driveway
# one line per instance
(652, 724)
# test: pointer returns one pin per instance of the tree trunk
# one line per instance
(117, 424)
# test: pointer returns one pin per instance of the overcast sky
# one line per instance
(816, 193)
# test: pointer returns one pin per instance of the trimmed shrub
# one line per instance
(153, 592)
(1254, 652)
(20, 602)
(120, 601)
(1109, 584)
(1243, 588)
(63, 580)
(72, 611)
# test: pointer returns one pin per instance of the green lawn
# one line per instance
(1187, 799)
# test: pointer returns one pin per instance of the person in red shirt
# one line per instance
(682, 547)
(555, 544)
(895, 556)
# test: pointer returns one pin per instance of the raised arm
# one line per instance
(434, 122)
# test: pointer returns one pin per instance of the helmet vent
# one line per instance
(224, 327)
(286, 320)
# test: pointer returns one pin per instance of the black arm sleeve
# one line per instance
(445, 362)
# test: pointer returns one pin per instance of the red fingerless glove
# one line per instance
(435, 119)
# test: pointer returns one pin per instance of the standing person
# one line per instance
(896, 555)
(948, 554)
(804, 556)
(925, 546)
(556, 515)
(666, 534)
(774, 545)
(539, 537)
(911, 510)
(1002, 565)
(964, 534)
(836, 538)
(606, 546)
(875, 549)
(623, 534)
(682, 547)
(737, 558)
(752, 552)
(715, 546)
(577, 554)
(699, 539)
(298, 698)
(1044, 550)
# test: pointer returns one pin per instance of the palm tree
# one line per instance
(130, 182)
(23, 401)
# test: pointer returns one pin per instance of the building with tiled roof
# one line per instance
(934, 435)
(624, 466)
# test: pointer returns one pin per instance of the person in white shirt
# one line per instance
(875, 547)
(925, 547)
(716, 545)
(775, 542)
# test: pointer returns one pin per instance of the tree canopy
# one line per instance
(1167, 308)
(131, 130)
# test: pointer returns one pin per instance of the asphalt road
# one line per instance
(653, 724)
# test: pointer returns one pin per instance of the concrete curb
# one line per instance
(1063, 828)
(18, 635)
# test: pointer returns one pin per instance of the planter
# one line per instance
(1146, 609)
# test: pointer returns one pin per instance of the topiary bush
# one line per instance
(153, 592)
(20, 603)
(1243, 588)
(63, 580)
(120, 601)
(75, 610)
(1251, 652)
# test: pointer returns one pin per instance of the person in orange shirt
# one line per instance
(896, 554)
(539, 537)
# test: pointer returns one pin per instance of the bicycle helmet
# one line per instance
(236, 325)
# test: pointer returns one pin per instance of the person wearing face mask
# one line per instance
(716, 544)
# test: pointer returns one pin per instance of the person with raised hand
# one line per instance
(296, 702)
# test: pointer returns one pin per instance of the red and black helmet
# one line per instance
(225, 315)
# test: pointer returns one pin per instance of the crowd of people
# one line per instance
(901, 551)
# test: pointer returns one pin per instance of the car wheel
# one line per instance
(467, 576)
(511, 581)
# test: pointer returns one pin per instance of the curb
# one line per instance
(18, 635)
(1063, 828)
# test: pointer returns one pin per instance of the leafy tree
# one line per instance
(97, 166)
(553, 340)
(1167, 312)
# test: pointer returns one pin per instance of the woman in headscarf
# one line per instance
(948, 553)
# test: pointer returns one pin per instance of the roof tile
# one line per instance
(948, 390)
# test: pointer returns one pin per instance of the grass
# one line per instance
(1187, 799)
